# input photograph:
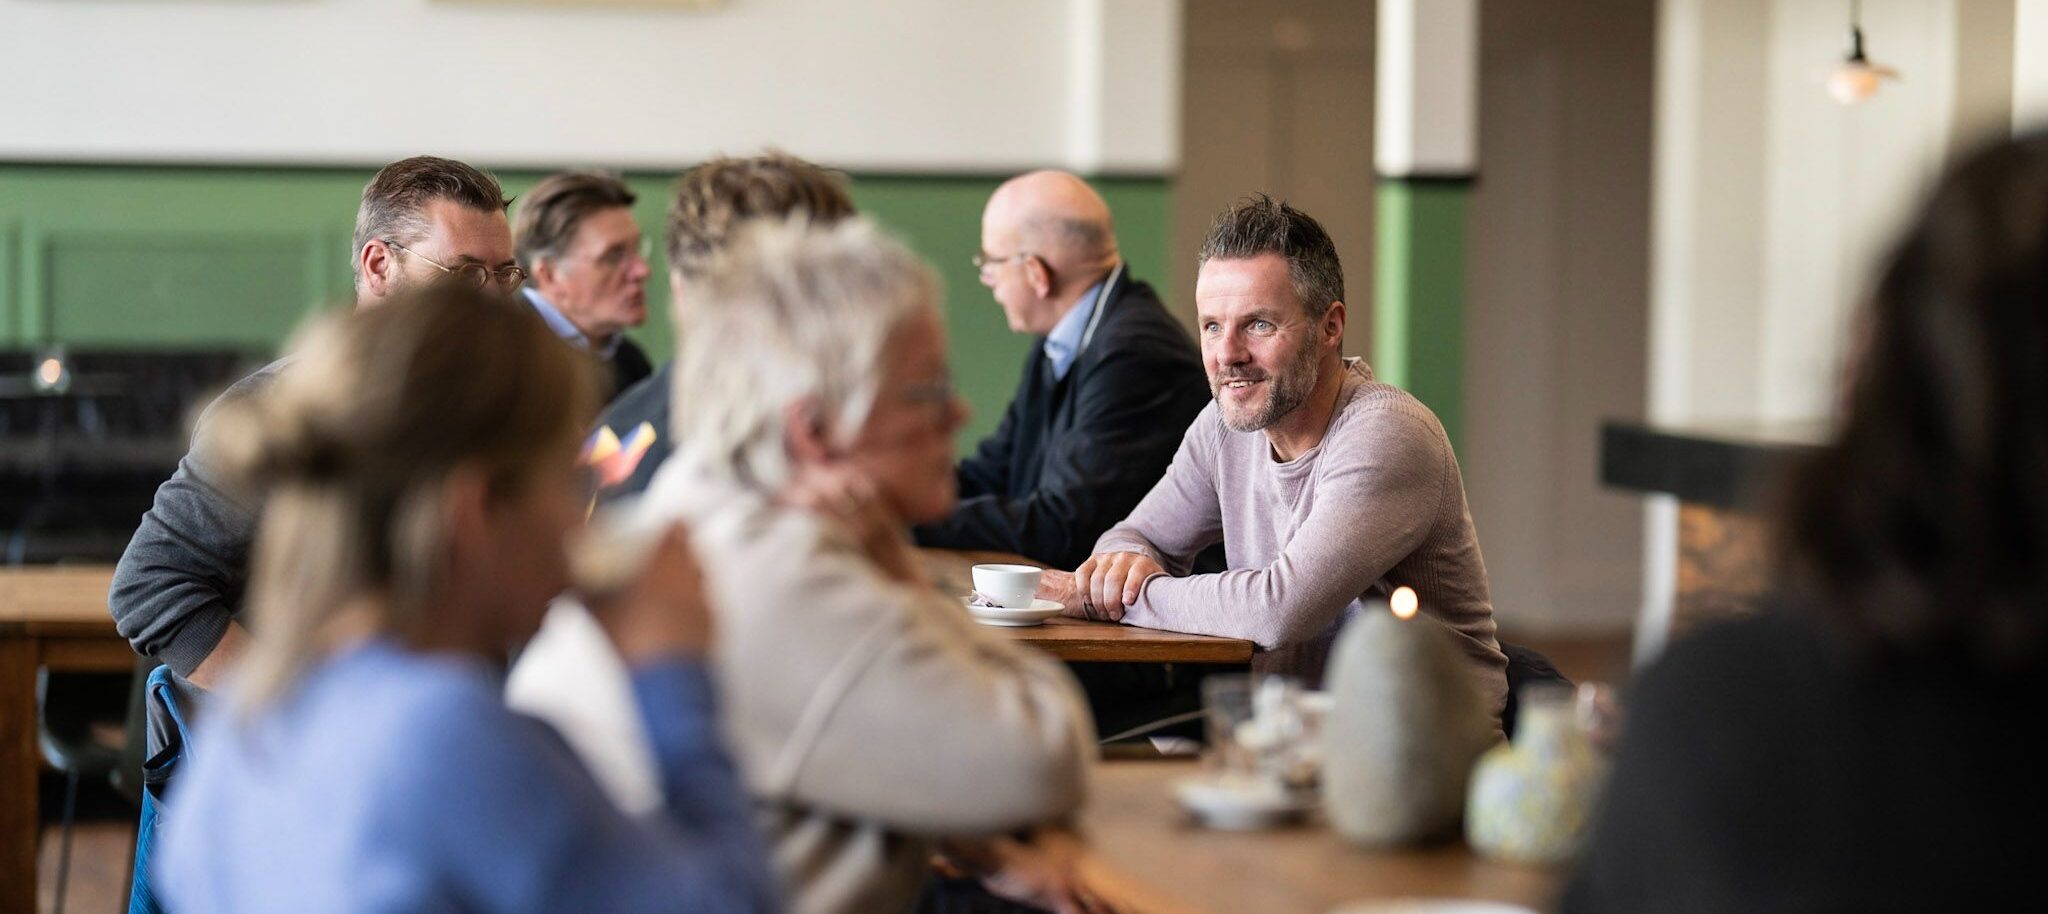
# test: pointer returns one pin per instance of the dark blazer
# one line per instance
(627, 366)
(1072, 457)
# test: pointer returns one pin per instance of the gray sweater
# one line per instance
(180, 582)
(1378, 504)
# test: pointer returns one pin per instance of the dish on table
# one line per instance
(1238, 802)
(1015, 616)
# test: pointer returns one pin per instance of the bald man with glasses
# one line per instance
(1109, 386)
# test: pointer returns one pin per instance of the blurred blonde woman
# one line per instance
(814, 417)
(419, 466)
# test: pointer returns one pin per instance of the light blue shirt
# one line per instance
(391, 780)
(565, 328)
(1064, 342)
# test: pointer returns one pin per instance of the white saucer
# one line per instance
(1018, 617)
(1238, 803)
(1431, 906)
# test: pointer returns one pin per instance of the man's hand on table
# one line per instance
(1101, 587)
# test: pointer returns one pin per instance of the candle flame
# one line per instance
(1404, 603)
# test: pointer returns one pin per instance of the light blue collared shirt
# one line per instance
(565, 328)
(1063, 344)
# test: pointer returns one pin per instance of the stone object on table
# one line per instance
(1532, 799)
(1406, 722)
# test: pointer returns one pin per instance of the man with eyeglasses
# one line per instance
(177, 592)
(576, 237)
(1105, 394)
(178, 587)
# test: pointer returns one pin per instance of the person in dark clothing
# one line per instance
(710, 202)
(177, 590)
(1106, 393)
(1857, 746)
(575, 235)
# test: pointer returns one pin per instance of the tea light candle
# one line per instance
(1404, 602)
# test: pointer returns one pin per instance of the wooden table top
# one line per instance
(1140, 836)
(56, 600)
(1080, 639)
(71, 601)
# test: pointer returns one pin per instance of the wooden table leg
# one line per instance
(18, 771)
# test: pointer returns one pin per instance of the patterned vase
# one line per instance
(1531, 799)
(1406, 721)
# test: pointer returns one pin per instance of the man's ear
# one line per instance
(1333, 326)
(1039, 274)
(377, 263)
(804, 432)
(544, 273)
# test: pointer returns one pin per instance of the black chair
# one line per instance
(1525, 666)
(67, 728)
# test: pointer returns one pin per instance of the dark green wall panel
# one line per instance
(204, 256)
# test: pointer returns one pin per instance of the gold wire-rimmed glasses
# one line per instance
(476, 274)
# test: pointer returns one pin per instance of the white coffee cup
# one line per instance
(1013, 586)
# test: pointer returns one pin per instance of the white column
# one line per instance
(1123, 76)
(1427, 86)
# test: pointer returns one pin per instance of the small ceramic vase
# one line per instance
(1532, 799)
(1406, 720)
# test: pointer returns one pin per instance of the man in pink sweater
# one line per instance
(1326, 487)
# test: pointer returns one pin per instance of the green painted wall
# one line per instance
(169, 257)
(1419, 294)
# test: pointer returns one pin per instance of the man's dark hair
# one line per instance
(1259, 225)
(713, 199)
(395, 201)
(551, 213)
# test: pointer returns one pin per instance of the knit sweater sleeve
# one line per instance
(180, 582)
(1380, 480)
(1181, 516)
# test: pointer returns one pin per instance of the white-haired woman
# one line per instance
(419, 463)
(814, 418)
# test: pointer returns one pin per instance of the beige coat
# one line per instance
(867, 717)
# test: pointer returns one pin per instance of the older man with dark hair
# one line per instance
(576, 236)
(177, 592)
(1329, 486)
(178, 588)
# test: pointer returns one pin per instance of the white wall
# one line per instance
(1555, 324)
(900, 85)
(2030, 65)
(1773, 204)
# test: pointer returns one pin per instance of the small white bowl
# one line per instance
(1238, 802)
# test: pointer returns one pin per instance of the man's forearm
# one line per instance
(226, 655)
